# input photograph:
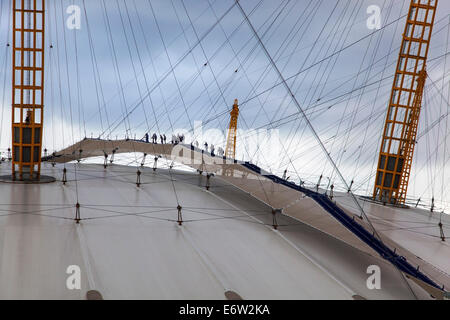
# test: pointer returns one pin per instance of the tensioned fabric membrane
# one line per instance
(308, 207)
(129, 245)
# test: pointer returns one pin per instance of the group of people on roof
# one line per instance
(180, 138)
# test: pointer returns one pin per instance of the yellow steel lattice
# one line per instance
(400, 130)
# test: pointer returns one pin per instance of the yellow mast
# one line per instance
(230, 150)
(400, 129)
(27, 88)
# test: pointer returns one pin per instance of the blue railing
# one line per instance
(353, 226)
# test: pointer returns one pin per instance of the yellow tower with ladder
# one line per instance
(400, 129)
(27, 88)
(230, 150)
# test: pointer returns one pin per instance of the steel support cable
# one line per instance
(61, 102)
(52, 86)
(337, 26)
(309, 54)
(341, 95)
(308, 108)
(162, 95)
(429, 154)
(118, 76)
(114, 59)
(79, 93)
(7, 48)
(318, 83)
(142, 71)
(113, 54)
(289, 39)
(191, 82)
(221, 93)
(225, 43)
(440, 113)
(70, 99)
(218, 50)
(375, 159)
(293, 133)
(145, 77)
(169, 72)
(362, 92)
(325, 110)
(146, 42)
(266, 71)
(419, 136)
(96, 75)
(377, 94)
(204, 54)
(172, 70)
(179, 91)
(312, 47)
(153, 68)
(446, 122)
(442, 116)
(369, 159)
(241, 66)
(322, 102)
(433, 59)
(307, 151)
(328, 57)
(304, 115)
(436, 153)
(193, 56)
(212, 72)
(230, 84)
(263, 76)
(133, 66)
(362, 122)
(357, 41)
(242, 119)
(239, 61)
(351, 23)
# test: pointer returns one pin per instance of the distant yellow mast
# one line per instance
(27, 88)
(230, 150)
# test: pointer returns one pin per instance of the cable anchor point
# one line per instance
(64, 178)
(138, 178)
(155, 164)
(105, 163)
(208, 182)
(77, 213)
(274, 217)
(350, 187)
(143, 159)
(318, 183)
(180, 217)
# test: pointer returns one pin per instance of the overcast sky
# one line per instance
(144, 59)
